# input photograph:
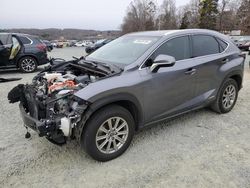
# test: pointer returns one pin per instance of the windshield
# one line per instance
(124, 50)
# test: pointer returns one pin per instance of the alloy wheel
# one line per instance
(112, 135)
(28, 65)
(229, 96)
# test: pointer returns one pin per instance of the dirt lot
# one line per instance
(199, 149)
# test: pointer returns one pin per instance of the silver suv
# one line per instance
(133, 82)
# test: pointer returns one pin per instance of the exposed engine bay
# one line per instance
(48, 104)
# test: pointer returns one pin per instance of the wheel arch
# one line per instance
(127, 101)
(236, 75)
(26, 55)
(238, 80)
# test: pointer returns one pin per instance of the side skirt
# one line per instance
(169, 118)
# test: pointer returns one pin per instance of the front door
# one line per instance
(171, 89)
(5, 49)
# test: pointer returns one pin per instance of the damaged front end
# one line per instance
(49, 106)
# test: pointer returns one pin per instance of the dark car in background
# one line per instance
(96, 45)
(244, 43)
(22, 51)
(48, 44)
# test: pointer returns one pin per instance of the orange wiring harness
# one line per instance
(58, 86)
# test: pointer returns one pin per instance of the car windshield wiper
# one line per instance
(87, 68)
(103, 65)
(114, 67)
(90, 63)
(121, 69)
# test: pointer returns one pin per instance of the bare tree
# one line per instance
(243, 15)
(168, 18)
(222, 15)
(227, 19)
(189, 15)
(184, 19)
(195, 16)
(140, 16)
(208, 14)
(222, 8)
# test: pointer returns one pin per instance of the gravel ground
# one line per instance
(199, 149)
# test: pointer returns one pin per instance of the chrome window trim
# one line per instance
(188, 35)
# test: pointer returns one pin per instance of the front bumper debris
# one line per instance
(28, 120)
(43, 128)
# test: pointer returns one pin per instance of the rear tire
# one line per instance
(227, 97)
(27, 64)
(108, 133)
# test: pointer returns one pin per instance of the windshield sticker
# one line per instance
(138, 41)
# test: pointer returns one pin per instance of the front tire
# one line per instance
(227, 97)
(27, 64)
(108, 133)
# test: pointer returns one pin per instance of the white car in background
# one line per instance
(80, 44)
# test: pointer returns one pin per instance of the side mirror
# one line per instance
(162, 61)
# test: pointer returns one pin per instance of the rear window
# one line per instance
(24, 40)
(223, 45)
(5, 39)
(205, 45)
(36, 40)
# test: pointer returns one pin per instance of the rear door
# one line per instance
(209, 57)
(5, 49)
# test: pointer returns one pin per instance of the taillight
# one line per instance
(41, 47)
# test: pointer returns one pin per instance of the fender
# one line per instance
(19, 56)
(230, 74)
(111, 99)
(234, 73)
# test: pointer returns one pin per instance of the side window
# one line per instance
(223, 45)
(36, 40)
(178, 47)
(5, 39)
(204, 45)
(24, 40)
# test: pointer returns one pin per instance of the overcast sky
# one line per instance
(82, 14)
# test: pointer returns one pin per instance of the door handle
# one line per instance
(190, 71)
(225, 61)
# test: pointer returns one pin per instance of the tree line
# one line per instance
(221, 15)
